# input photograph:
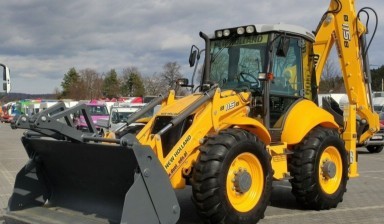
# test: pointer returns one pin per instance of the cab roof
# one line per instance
(285, 28)
(280, 28)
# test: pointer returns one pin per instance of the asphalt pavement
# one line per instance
(363, 201)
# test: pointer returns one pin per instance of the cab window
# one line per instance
(287, 70)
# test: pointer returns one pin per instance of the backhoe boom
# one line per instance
(341, 25)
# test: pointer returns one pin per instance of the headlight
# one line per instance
(219, 33)
(250, 29)
(240, 30)
(226, 33)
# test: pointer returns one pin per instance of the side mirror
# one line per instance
(192, 58)
(113, 117)
(6, 79)
(194, 55)
(283, 46)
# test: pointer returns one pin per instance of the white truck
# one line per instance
(118, 116)
(6, 78)
(378, 104)
(375, 144)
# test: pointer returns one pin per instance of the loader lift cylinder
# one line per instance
(181, 117)
(145, 109)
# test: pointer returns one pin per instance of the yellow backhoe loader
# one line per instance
(253, 119)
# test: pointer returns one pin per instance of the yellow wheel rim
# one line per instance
(245, 182)
(330, 170)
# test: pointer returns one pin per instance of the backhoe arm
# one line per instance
(340, 25)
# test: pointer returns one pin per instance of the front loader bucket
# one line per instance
(66, 182)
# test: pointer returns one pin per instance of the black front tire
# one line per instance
(218, 158)
(313, 187)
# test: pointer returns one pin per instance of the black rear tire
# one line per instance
(319, 168)
(375, 148)
(226, 173)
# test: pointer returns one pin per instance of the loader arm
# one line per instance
(340, 25)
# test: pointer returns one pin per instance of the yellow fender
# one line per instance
(302, 117)
(251, 125)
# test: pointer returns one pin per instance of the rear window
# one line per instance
(98, 110)
(377, 108)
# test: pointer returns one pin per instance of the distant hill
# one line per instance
(20, 96)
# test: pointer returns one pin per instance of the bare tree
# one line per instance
(170, 75)
(57, 93)
(331, 80)
(92, 83)
(77, 91)
(154, 85)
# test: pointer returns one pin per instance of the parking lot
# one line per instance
(363, 202)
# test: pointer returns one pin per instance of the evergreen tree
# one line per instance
(111, 87)
(136, 87)
(377, 78)
(69, 83)
(132, 83)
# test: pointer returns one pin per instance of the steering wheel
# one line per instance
(248, 77)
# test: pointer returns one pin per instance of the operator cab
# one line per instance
(272, 61)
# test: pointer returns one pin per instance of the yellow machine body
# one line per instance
(255, 119)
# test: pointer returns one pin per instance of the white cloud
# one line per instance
(43, 39)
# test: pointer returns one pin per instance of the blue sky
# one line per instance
(42, 39)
